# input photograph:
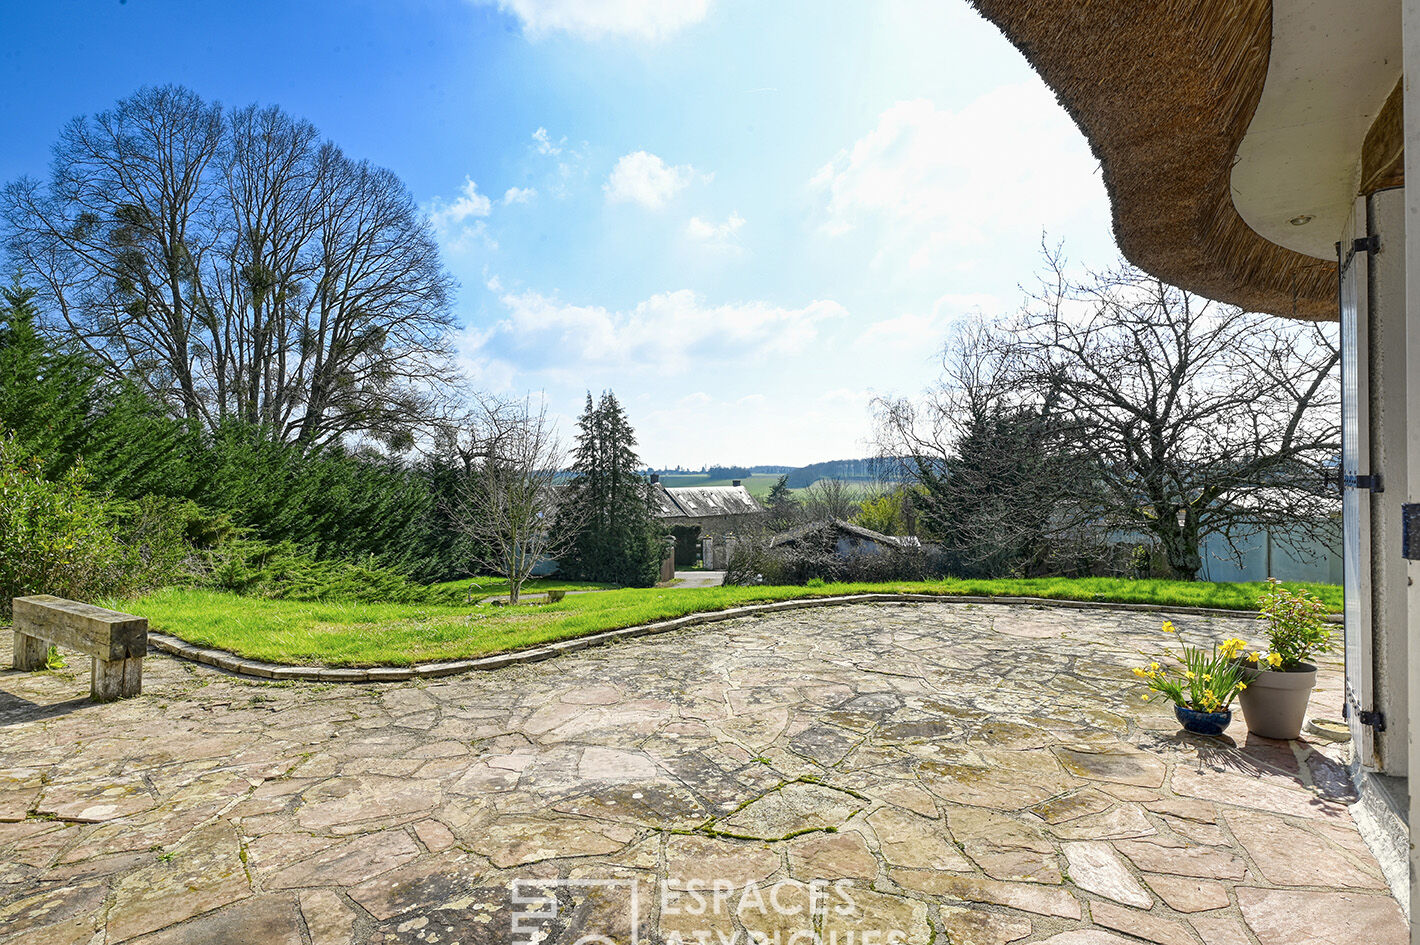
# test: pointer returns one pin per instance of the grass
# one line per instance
(758, 485)
(456, 592)
(336, 633)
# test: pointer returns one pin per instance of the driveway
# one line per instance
(936, 772)
(699, 578)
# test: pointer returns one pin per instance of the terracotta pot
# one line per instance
(1274, 704)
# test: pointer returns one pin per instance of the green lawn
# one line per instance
(457, 592)
(337, 633)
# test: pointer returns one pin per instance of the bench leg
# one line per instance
(116, 679)
(31, 653)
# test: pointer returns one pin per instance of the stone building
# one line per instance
(718, 511)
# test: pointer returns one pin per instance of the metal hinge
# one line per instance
(1367, 716)
(1371, 483)
(1367, 244)
(1410, 531)
(1372, 718)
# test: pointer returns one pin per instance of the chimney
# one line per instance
(735, 482)
(655, 478)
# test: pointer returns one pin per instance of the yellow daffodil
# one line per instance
(1254, 656)
(1232, 647)
(1168, 627)
(1154, 667)
(1274, 659)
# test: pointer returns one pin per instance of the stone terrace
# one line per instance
(981, 774)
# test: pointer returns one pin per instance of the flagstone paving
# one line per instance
(921, 773)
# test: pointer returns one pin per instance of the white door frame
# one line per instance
(1355, 472)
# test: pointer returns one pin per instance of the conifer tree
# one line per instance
(608, 508)
(46, 395)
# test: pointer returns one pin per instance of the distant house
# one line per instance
(716, 510)
(844, 538)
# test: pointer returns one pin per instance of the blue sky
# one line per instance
(748, 219)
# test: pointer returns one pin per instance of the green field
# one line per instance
(758, 485)
(338, 633)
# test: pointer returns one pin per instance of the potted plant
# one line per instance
(1200, 683)
(1280, 682)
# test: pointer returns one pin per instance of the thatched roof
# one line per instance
(1164, 93)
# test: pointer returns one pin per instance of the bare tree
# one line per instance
(1001, 488)
(509, 503)
(1204, 419)
(829, 499)
(1189, 418)
(475, 431)
(238, 267)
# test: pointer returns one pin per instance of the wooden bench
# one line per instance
(116, 641)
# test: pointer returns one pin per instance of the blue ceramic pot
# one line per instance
(1203, 723)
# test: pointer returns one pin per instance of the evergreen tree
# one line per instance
(783, 508)
(60, 409)
(46, 395)
(608, 508)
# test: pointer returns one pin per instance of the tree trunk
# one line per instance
(1181, 549)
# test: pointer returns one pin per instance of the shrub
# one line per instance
(1296, 627)
(753, 562)
(286, 571)
(158, 536)
(55, 538)
(554, 597)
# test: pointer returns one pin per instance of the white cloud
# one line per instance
(642, 177)
(720, 235)
(545, 144)
(792, 426)
(923, 333)
(667, 333)
(460, 222)
(1010, 163)
(470, 203)
(595, 19)
(569, 161)
(519, 195)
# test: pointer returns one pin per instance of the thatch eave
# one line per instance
(1164, 90)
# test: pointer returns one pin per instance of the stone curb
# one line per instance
(230, 662)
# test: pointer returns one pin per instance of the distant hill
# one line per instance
(848, 470)
(759, 478)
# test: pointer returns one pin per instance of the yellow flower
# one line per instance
(1232, 647)
(1145, 697)
(1154, 667)
(1189, 674)
(1254, 656)
(1242, 686)
(1275, 659)
(1207, 677)
(1142, 674)
(1168, 627)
